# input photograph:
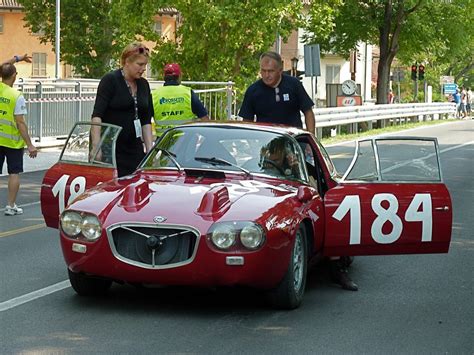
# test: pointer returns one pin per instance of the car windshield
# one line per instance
(246, 151)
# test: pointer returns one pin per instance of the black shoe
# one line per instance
(341, 277)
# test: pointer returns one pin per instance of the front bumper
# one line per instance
(126, 253)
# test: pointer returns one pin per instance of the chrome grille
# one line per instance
(153, 246)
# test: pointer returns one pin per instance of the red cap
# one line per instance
(172, 69)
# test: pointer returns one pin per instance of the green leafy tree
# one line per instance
(220, 40)
(443, 40)
(93, 32)
(388, 24)
(406, 29)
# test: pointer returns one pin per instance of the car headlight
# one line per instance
(251, 236)
(223, 236)
(71, 223)
(91, 228)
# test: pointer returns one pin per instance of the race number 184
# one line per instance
(419, 210)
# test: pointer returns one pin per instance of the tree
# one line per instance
(382, 23)
(436, 33)
(220, 40)
(93, 32)
(443, 40)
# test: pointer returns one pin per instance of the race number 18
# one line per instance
(419, 210)
(77, 187)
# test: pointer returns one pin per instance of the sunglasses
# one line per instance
(142, 50)
(277, 94)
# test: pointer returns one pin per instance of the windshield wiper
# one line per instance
(219, 161)
(172, 157)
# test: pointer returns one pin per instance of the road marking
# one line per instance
(17, 301)
(22, 230)
(456, 147)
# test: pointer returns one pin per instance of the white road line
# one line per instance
(17, 301)
(456, 147)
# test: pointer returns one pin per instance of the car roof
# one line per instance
(269, 127)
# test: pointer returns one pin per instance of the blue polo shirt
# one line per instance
(281, 105)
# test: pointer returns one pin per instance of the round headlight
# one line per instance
(223, 236)
(251, 236)
(71, 223)
(91, 228)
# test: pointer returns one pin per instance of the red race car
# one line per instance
(229, 203)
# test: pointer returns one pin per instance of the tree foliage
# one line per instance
(220, 40)
(410, 30)
(217, 40)
(93, 32)
(443, 40)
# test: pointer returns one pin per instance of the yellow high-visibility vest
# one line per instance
(9, 134)
(172, 106)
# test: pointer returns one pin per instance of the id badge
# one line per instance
(138, 128)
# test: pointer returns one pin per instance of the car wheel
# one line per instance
(289, 293)
(88, 286)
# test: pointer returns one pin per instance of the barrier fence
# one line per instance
(55, 106)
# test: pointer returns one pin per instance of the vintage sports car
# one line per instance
(229, 203)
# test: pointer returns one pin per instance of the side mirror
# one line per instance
(306, 193)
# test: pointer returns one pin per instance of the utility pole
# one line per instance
(57, 44)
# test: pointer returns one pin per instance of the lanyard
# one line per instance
(135, 101)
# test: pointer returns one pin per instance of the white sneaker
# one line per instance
(11, 211)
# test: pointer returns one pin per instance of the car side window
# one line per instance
(79, 149)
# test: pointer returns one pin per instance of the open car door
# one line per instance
(78, 168)
(391, 200)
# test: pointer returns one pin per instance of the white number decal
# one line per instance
(350, 204)
(77, 187)
(386, 215)
(419, 210)
(414, 214)
(60, 187)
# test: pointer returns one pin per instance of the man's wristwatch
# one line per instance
(17, 58)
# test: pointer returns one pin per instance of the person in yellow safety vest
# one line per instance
(13, 135)
(173, 103)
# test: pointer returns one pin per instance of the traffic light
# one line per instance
(421, 72)
(413, 72)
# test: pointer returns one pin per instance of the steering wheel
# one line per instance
(273, 164)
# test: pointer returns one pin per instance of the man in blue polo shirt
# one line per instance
(277, 98)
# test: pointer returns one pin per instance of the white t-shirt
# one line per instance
(20, 107)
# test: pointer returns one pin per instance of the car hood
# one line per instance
(182, 199)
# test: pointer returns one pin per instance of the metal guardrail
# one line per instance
(336, 116)
(54, 106)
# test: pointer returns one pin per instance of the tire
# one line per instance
(88, 286)
(289, 293)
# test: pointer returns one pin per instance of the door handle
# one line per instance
(444, 208)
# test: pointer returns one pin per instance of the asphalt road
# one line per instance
(405, 304)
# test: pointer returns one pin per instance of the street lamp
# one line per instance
(294, 66)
